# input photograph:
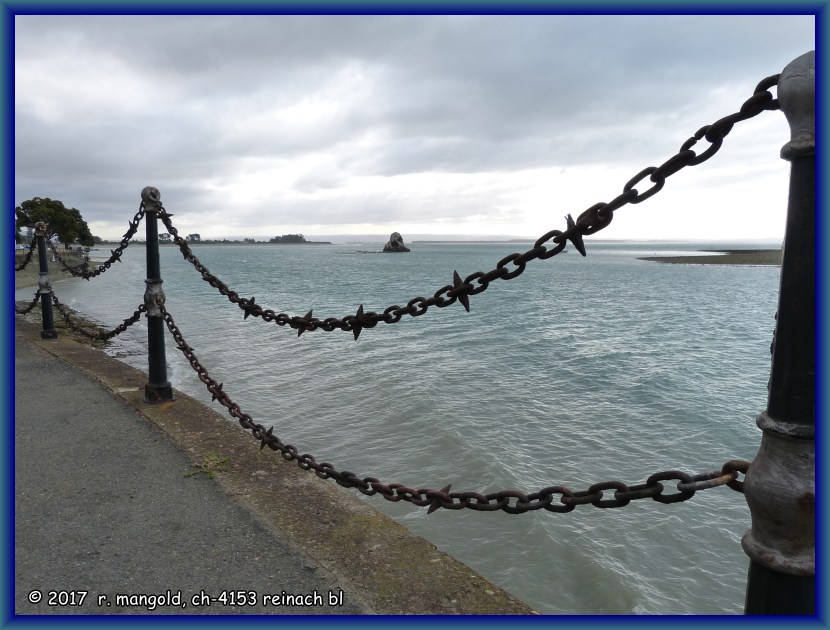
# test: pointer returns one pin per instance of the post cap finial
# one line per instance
(797, 97)
(150, 194)
(41, 226)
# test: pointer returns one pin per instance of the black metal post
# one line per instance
(44, 287)
(158, 389)
(780, 483)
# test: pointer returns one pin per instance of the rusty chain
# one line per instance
(510, 501)
(28, 258)
(592, 220)
(103, 336)
(32, 304)
(115, 253)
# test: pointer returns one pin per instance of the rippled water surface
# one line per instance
(580, 370)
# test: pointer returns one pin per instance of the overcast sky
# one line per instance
(451, 125)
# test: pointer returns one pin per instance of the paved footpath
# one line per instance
(105, 507)
(114, 513)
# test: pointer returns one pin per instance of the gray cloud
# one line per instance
(115, 103)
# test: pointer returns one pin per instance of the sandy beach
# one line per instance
(725, 257)
(28, 277)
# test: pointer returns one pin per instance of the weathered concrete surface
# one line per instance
(381, 566)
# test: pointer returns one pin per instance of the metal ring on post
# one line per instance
(44, 287)
(158, 388)
(780, 485)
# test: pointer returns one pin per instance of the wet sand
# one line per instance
(29, 275)
(725, 257)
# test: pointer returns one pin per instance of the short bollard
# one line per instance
(780, 483)
(44, 287)
(158, 388)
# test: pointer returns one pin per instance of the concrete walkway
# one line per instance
(116, 511)
(105, 506)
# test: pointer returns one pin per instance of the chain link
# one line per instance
(551, 498)
(28, 258)
(73, 324)
(115, 253)
(592, 220)
(510, 501)
(31, 305)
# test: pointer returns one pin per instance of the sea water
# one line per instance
(580, 370)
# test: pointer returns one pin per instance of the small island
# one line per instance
(395, 244)
(758, 257)
(295, 239)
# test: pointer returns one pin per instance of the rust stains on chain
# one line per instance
(736, 465)
(551, 498)
(115, 253)
(592, 220)
(604, 495)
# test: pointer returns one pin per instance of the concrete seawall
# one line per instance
(383, 567)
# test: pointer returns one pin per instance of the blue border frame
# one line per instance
(412, 7)
(821, 379)
(10, 8)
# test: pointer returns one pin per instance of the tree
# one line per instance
(66, 224)
(288, 238)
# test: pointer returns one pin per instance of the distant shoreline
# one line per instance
(750, 257)
(209, 242)
(464, 242)
(756, 257)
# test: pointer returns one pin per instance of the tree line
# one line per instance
(65, 224)
(197, 238)
(68, 226)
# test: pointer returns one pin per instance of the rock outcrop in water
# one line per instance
(395, 243)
